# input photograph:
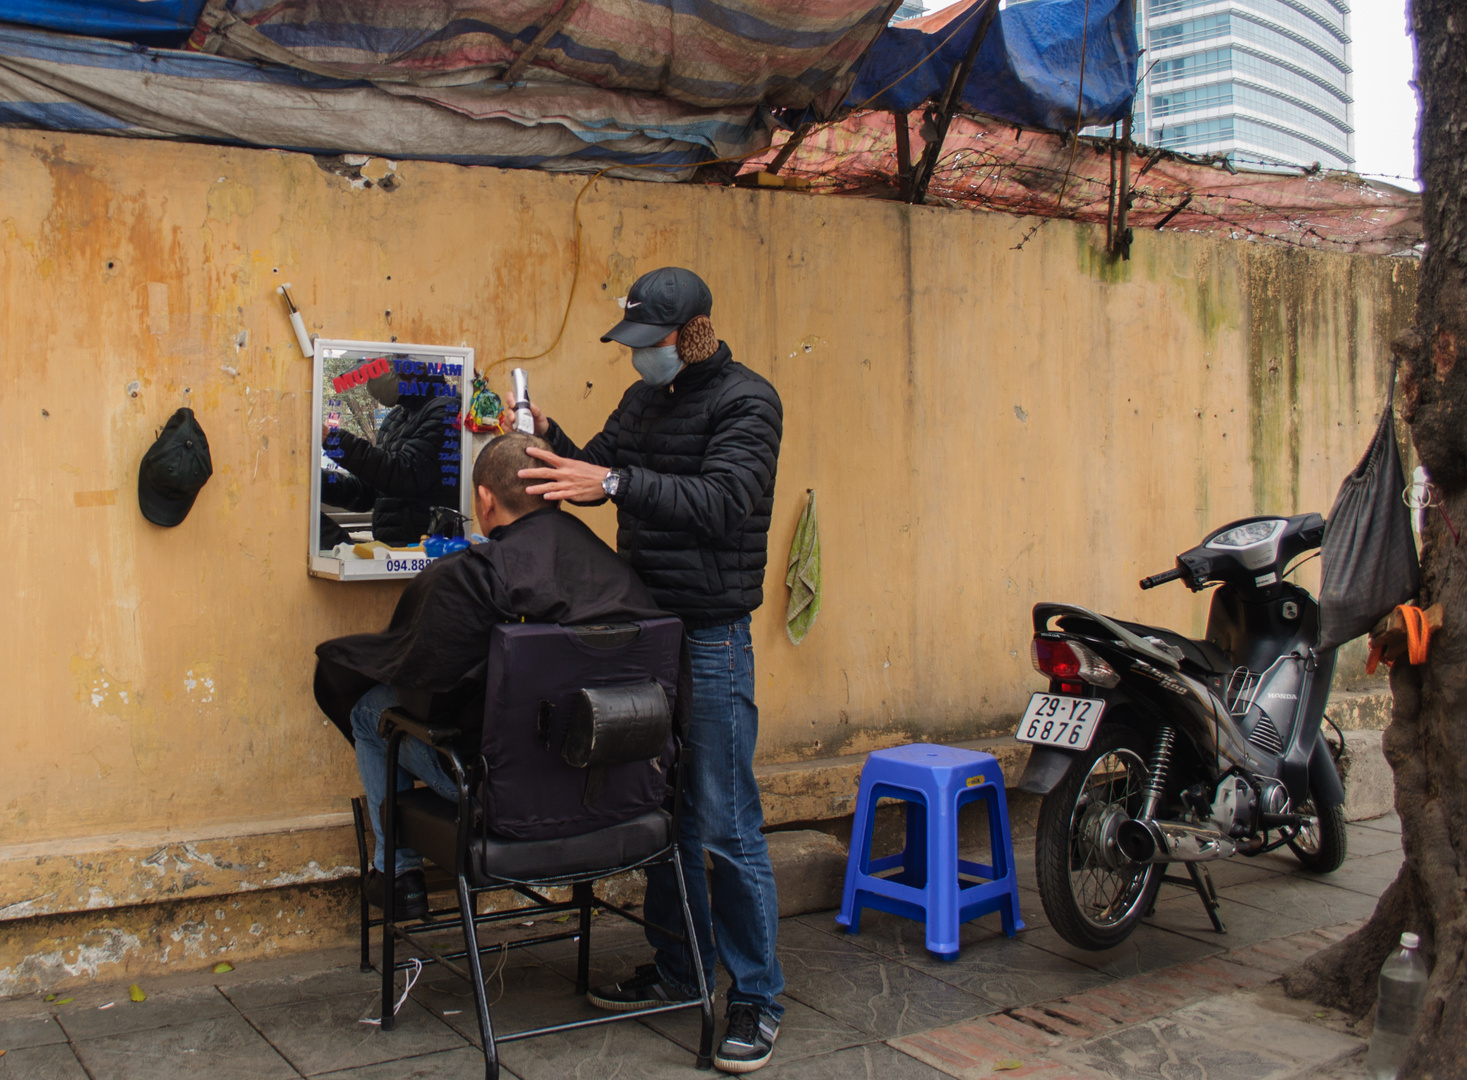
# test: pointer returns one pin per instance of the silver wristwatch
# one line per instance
(611, 483)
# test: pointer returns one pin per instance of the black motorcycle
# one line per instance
(1151, 748)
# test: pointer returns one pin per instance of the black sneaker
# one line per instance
(642, 991)
(411, 901)
(749, 1039)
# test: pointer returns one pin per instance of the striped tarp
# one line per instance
(68, 83)
(707, 53)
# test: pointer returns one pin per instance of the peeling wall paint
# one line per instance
(45, 954)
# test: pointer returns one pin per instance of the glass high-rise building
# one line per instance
(1263, 81)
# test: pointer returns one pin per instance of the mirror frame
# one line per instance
(334, 569)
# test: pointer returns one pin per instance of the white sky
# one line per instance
(1385, 101)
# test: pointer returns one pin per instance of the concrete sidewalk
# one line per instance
(1177, 1000)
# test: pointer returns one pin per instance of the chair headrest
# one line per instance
(614, 725)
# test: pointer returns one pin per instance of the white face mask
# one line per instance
(657, 365)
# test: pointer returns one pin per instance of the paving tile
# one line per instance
(1271, 1021)
(1245, 924)
(466, 1063)
(1228, 872)
(1276, 956)
(884, 998)
(873, 1061)
(1214, 975)
(608, 934)
(1385, 823)
(1361, 841)
(805, 948)
(1011, 972)
(902, 939)
(1147, 949)
(522, 995)
(1370, 874)
(288, 989)
(222, 1048)
(163, 1008)
(1164, 1050)
(1133, 1000)
(326, 1033)
(803, 1032)
(53, 1062)
(618, 1051)
(1302, 900)
(607, 965)
(970, 1049)
(39, 1029)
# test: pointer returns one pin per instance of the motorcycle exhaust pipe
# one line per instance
(1170, 841)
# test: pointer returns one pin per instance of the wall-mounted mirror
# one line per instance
(389, 467)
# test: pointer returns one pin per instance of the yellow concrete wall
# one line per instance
(986, 427)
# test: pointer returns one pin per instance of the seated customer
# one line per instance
(539, 564)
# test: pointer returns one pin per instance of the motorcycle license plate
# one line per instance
(1065, 722)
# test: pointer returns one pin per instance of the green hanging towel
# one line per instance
(803, 578)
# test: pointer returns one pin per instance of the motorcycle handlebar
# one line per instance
(1161, 579)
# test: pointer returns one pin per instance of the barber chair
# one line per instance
(571, 785)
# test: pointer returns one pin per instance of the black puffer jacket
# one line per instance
(414, 466)
(693, 518)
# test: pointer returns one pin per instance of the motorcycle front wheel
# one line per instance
(1321, 846)
(1093, 895)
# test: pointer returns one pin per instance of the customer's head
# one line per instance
(499, 493)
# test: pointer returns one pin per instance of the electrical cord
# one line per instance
(413, 978)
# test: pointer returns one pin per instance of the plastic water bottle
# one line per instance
(1402, 990)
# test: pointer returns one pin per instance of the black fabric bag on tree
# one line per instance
(1368, 554)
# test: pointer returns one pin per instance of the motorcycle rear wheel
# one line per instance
(1093, 895)
(1322, 848)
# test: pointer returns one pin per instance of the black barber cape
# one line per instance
(546, 567)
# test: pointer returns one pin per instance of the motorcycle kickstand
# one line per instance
(1201, 880)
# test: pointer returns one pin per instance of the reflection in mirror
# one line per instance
(391, 487)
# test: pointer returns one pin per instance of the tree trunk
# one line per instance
(1426, 743)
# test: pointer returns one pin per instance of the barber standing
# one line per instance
(689, 457)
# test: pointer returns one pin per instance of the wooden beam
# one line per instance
(1174, 211)
(790, 146)
(550, 29)
(1123, 194)
(951, 96)
(903, 123)
(1110, 206)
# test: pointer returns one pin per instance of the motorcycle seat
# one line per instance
(1203, 655)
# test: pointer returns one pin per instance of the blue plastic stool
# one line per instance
(934, 782)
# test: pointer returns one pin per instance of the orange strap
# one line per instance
(1373, 660)
(1418, 638)
(1418, 633)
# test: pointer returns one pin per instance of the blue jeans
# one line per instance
(722, 816)
(415, 760)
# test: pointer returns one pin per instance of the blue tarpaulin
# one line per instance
(152, 22)
(1027, 70)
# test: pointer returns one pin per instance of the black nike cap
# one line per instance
(659, 303)
(173, 470)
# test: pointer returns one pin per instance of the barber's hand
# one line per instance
(565, 478)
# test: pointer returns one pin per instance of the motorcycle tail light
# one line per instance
(1070, 660)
